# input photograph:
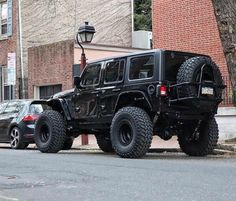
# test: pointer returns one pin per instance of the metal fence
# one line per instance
(227, 93)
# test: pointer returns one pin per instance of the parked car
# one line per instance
(17, 119)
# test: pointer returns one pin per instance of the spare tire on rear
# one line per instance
(190, 71)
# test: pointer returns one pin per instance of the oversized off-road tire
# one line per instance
(131, 132)
(104, 142)
(190, 71)
(50, 132)
(68, 143)
(204, 139)
(16, 139)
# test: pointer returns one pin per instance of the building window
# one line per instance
(3, 18)
(46, 92)
(6, 90)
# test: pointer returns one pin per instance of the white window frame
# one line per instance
(2, 36)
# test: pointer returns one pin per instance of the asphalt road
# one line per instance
(29, 175)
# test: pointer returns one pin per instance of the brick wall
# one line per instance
(10, 45)
(50, 64)
(49, 21)
(188, 26)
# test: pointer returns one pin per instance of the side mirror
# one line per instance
(77, 81)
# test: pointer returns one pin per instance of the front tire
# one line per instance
(203, 141)
(131, 132)
(50, 132)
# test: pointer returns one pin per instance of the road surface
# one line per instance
(28, 175)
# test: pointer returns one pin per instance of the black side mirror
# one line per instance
(77, 81)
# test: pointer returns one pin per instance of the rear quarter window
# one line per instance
(141, 67)
(38, 108)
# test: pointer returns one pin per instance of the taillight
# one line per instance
(30, 117)
(163, 90)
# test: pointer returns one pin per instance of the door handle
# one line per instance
(115, 90)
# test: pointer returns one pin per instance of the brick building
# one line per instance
(188, 26)
(47, 23)
(8, 45)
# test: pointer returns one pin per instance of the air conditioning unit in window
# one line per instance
(142, 39)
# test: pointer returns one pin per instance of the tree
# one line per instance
(142, 15)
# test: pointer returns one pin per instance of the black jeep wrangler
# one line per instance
(126, 100)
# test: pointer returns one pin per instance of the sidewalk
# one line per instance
(159, 144)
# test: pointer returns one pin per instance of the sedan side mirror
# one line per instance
(77, 81)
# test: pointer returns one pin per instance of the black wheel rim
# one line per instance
(44, 133)
(125, 133)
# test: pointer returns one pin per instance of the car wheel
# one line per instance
(199, 140)
(104, 142)
(50, 132)
(68, 143)
(16, 139)
(131, 132)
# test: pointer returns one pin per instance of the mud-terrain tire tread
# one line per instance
(210, 138)
(68, 143)
(187, 70)
(104, 144)
(57, 132)
(142, 136)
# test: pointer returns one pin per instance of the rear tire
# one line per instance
(131, 132)
(16, 139)
(204, 141)
(104, 142)
(50, 132)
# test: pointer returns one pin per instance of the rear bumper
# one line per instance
(28, 132)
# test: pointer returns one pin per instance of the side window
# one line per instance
(141, 67)
(12, 107)
(114, 71)
(2, 106)
(91, 75)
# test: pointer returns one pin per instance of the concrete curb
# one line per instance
(227, 147)
(220, 150)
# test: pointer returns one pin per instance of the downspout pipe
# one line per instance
(21, 50)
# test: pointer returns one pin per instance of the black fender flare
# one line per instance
(136, 95)
(61, 105)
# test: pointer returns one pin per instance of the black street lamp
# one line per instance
(85, 33)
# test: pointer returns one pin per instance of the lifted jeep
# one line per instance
(126, 100)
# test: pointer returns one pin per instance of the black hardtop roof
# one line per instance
(142, 52)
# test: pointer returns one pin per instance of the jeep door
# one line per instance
(111, 87)
(87, 95)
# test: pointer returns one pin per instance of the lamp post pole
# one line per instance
(85, 33)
